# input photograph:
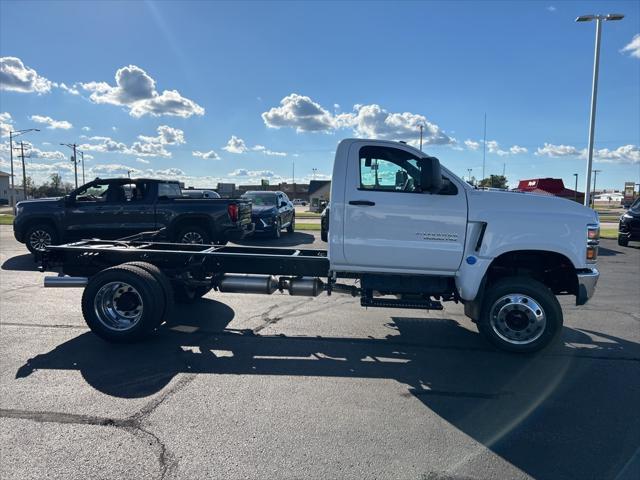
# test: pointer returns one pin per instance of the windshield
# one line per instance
(266, 199)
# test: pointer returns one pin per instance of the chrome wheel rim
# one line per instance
(517, 319)
(39, 240)
(118, 306)
(192, 237)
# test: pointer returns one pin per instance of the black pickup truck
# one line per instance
(119, 207)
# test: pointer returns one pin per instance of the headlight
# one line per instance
(627, 215)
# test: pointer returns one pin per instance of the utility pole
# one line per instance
(74, 159)
(293, 172)
(595, 175)
(575, 194)
(484, 145)
(504, 167)
(82, 157)
(421, 128)
(594, 89)
(469, 170)
(12, 135)
(314, 170)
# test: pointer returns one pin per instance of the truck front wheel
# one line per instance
(38, 237)
(520, 314)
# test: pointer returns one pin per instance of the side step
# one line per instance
(399, 303)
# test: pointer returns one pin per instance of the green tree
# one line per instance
(494, 181)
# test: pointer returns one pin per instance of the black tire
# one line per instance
(193, 234)
(165, 284)
(148, 301)
(278, 230)
(185, 294)
(38, 235)
(512, 313)
(292, 226)
(323, 235)
(623, 240)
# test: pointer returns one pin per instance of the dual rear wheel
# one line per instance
(129, 302)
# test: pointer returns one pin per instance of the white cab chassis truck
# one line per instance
(404, 233)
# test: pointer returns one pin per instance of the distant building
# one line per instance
(9, 196)
(319, 191)
(549, 186)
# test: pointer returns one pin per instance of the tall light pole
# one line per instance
(594, 90)
(13, 135)
(484, 145)
(314, 170)
(421, 128)
(82, 158)
(575, 192)
(469, 170)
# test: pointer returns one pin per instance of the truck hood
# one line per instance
(524, 221)
(486, 204)
(39, 201)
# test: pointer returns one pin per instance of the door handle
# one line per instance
(364, 203)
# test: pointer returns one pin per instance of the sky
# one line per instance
(208, 92)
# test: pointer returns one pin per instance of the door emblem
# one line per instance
(438, 236)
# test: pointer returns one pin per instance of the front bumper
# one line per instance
(587, 281)
(264, 224)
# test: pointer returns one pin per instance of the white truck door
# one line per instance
(389, 223)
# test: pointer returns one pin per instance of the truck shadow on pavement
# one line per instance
(563, 413)
(285, 240)
(21, 263)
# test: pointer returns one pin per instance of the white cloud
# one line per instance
(73, 90)
(266, 151)
(17, 77)
(243, 172)
(142, 160)
(299, 112)
(6, 124)
(235, 145)
(146, 146)
(628, 154)
(210, 155)
(555, 151)
(516, 150)
(86, 129)
(136, 90)
(551, 8)
(373, 121)
(471, 145)
(51, 123)
(633, 47)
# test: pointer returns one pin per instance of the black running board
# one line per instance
(398, 303)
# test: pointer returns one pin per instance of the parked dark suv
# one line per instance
(629, 227)
(271, 212)
(116, 207)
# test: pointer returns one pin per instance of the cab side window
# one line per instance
(389, 169)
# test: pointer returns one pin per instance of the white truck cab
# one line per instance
(396, 213)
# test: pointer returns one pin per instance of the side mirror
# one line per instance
(430, 175)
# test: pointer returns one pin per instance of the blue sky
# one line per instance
(239, 91)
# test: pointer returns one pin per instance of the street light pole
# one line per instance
(82, 157)
(575, 192)
(594, 91)
(74, 159)
(24, 171)
(421, 128)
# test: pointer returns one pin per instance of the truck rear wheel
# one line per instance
(520, 314)
(165, 284)
(123, 304)
(195, 235)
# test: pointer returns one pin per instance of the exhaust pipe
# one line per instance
(238, 283)
(65, 282)
(267, 284)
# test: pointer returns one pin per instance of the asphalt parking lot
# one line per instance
(243, 386)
